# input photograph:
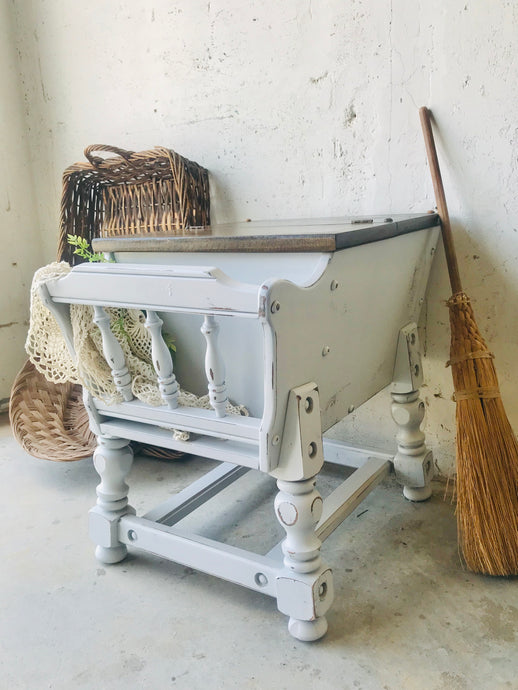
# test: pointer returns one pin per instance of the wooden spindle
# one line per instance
(162, 361)
(113, 354)
(214, 367)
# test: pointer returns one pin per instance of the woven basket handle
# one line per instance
(97, 160)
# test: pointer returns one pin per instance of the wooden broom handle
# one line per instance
(440, 200)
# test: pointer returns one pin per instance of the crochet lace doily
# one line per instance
(48, 351)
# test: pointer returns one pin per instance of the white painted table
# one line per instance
(302, 322)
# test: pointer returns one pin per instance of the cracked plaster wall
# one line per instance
(302, 109)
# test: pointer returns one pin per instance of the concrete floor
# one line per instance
(406, 615)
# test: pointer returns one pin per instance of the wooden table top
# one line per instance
(298, 235)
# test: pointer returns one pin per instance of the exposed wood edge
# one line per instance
(321, 242)
(386, 231)
(255, 243)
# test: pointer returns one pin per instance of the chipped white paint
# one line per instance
(214, 366)
(298, 507)
(297, 109)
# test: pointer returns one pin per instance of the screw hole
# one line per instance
(261, 580)
(308, 405)
(322, 591)
(312, 450)
(132, 535)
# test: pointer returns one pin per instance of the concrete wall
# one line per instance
(302, 109)
(20, 246)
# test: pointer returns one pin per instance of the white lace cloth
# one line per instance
(48, 351)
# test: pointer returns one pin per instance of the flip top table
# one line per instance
(301, 322)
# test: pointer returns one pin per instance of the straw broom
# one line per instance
(486, 447)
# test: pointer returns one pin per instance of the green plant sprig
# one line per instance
(82, 248)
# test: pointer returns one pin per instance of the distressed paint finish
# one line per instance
(162, 360)
(413, 461)
(304, 321)
(324, 310)
(113, 354)
(214, 366)
(298, 507)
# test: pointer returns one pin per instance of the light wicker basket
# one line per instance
(153, 192)
(49, 420)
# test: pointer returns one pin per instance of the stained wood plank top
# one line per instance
(298, 235)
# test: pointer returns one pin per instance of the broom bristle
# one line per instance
(487, 452)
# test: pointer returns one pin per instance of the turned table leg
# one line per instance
(413, 462)
(306, 593)
(113, 458)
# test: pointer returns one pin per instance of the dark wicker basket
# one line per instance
(151, 192)
(133, 194)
